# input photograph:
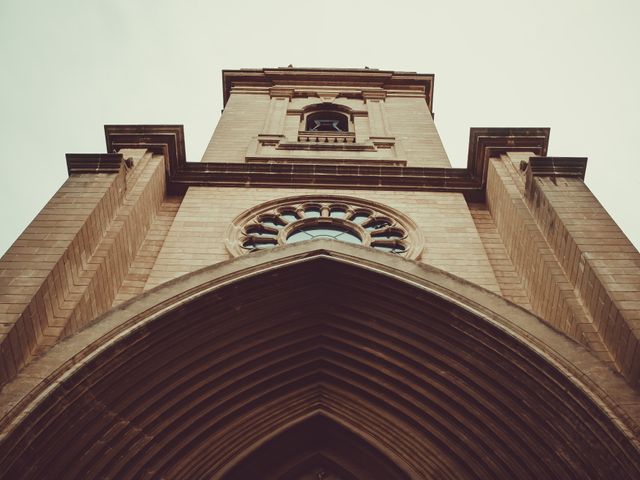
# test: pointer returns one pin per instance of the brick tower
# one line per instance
(321, 297)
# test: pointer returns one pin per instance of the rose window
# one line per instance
(346, 220)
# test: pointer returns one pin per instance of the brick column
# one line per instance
(39, 274)
(548, 285)
(274, 123)
(601, 263)
(67, 266)
(378, 128)
(374, 100)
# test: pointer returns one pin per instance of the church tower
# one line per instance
(322, 296)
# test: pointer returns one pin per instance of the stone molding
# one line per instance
(567, 167)
(362, 80)
(78, 163)
(484, 143)
(167, 140)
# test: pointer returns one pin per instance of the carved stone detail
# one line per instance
(343, 218)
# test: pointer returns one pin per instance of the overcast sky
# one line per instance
(68, 67)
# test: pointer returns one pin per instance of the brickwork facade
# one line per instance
(416, 132)
(600, 262)
(518, 232)
(547, 284)
(264, 125)
(551, 249)
(196, 238)
(510, 282)
(242, 121)
(65, 269)
(135, 281)
(65, 233)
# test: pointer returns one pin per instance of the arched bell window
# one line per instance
(327, 121)
(327, 118)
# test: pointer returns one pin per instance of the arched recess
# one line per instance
(317, 447)
(434, 377)
(327, 117)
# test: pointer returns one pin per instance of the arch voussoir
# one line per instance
(214, 370)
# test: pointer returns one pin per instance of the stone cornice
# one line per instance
(552, 167)
(93, 163)
(484, 143)
(366, 79)
(556, 167)
(167, 140)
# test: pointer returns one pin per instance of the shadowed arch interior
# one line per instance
(317, 447)
(430, 387)
(327, 117)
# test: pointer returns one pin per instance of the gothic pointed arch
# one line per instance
(234, 364)
(319, 446)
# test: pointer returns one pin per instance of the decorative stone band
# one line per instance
(327, 137)
(484, 143)
(372, 84)
(346, 219)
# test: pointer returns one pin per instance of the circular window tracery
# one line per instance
(298, 219)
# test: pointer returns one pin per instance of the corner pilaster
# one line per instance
(601, 264)
(544, 278)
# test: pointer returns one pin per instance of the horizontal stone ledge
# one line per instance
(472, 190)
(219, 168)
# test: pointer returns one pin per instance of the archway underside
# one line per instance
(370, 367)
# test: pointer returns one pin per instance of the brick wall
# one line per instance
(196, 238)
(510, 282)
(138, 274)
(40, 273)
(548, 286)
(410, 121)
(242, 120)
(600, 262)
(67, 266)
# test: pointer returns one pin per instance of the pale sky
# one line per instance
(70, 66)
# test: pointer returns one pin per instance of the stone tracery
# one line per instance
(345, 219)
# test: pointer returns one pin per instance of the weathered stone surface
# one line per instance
(132, 343)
